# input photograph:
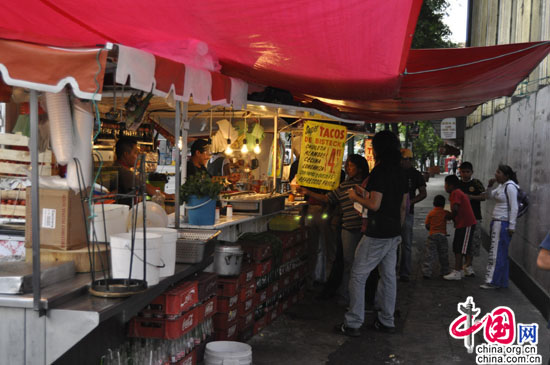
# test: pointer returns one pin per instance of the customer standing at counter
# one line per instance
(357, 169)
(126, 150)
(386, 202)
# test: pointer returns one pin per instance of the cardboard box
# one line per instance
(62, 224)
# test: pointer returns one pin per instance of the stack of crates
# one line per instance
(186, 310)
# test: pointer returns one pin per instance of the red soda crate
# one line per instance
(257, 251)
(177, 300)
(225, 304)
(189, 359)
(155, 328)
(209, 307)
(260, 297)
(246, 306)
(225, 320)
(207, 284)
(227, 287)
(296, 275)
(247, 291)
(228, 334)
(285, 281)
(288, 254)
(246, 333)
(299, 250)
(273, 289)
(246, 321)
(259, 324)
(247, 274)
(294, 298)
(262, 268)
(189, 320)
(288, 239)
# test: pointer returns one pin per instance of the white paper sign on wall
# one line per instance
(448, 128)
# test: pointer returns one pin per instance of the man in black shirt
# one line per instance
(386, 201)
(415, 181)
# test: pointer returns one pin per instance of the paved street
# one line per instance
(424, 311)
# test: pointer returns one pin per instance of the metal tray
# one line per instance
(260, 206)
(16, 277)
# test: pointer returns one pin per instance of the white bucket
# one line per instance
(121, 244)
(167, 249)
(116, 216)
(227, 353)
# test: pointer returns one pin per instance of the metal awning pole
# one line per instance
(177, 122)
(275, 144)
(184, 128)
(37, 305)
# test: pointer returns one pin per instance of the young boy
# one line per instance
(437, 244)
(474, 189)
(465, 224)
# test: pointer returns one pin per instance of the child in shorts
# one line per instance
(436, 244)
(465, 224)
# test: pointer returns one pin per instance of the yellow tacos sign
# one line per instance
(321, 155)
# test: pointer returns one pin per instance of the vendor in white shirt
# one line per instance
(503, 225)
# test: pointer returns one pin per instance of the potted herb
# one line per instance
(200, 193)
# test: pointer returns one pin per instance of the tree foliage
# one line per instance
(426, 144)
(431, 31)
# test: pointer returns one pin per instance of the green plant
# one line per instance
(200, 185)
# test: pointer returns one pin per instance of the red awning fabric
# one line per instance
(441, 83)
(352, 55)
(51, 69)
(164, 77)
(353, 49)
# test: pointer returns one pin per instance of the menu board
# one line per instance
(321, 155)
(369, 155)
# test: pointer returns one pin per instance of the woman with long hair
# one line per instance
(503, 225)
(357, 169)
(385, 199)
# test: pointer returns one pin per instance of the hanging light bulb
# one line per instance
(244, 148)
(228, 149)
(257, 148)
(180, 143)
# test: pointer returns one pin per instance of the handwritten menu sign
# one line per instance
(321, 155)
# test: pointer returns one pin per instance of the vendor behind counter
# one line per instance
(127, 152)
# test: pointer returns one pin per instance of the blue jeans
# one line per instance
(406, 246)
(350, 240)
(372, 252)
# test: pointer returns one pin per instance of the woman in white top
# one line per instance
(503, 225)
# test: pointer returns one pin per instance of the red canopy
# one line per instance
(354, 52)
(331, 48)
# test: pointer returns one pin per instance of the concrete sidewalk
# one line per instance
(424, 311)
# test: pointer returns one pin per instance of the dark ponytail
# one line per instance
(508, 172)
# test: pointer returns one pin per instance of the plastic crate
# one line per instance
(245, 306)
(259, 325)
(177, 300)
(257, 251)
(209, 307)
(228, 334)
(225, 320)
(228, 287)
(189, 359)
(247, 291)
(246, 333)
(225, 304)
(247, 274)
(260, 297)
(262, 268)
(246, 321)
(207, 284)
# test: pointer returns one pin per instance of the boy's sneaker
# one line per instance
(348, 331)
(488, 286)
(454, 275)
(381, 328)
(469, 271)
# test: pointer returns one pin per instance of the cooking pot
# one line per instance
(228, 260)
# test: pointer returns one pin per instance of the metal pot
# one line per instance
(228, 260)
